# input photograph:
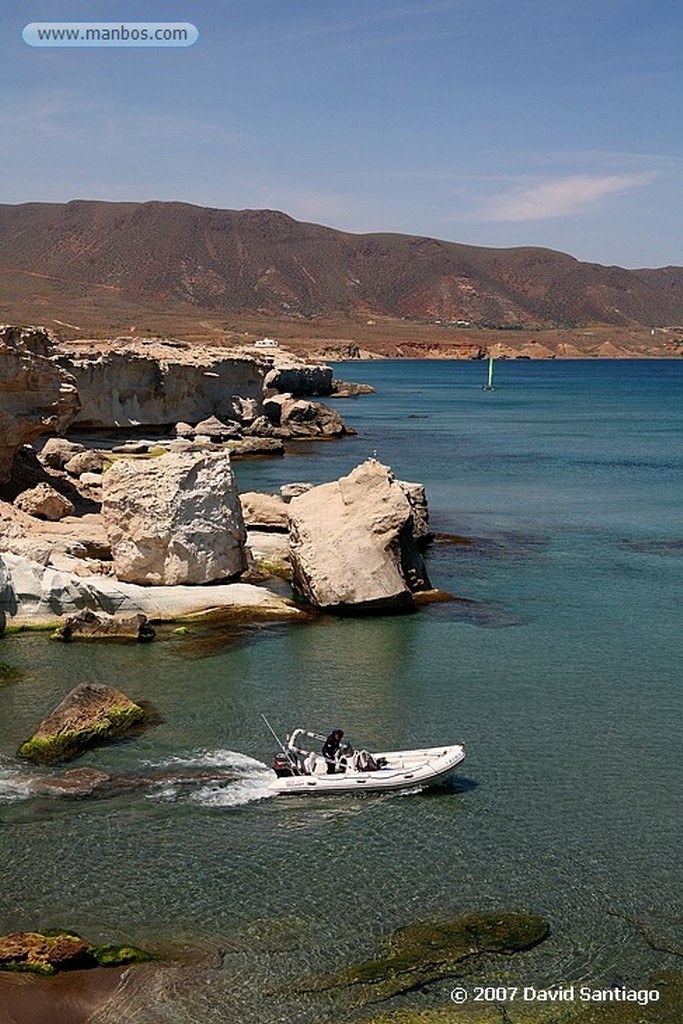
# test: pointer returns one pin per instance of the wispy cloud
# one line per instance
(560, 197)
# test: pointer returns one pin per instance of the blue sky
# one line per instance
(556, 123)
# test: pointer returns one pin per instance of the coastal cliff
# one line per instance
(154, 382)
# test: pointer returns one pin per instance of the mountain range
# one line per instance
(263, 261)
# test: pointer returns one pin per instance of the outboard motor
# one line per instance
(282, 765)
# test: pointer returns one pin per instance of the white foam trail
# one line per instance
(251, 785)
(210, 759)
(13, 789)
(248, 790)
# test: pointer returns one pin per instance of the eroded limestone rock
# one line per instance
(352, 544)
(36, 395)
(174, 520)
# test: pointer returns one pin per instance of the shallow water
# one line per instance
(560, 673)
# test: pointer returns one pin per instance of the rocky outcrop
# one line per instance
(297, 417)
(89, 715)
(89, 626)
(174, 519)
(36, 395)
(352, 546)
(43, 954)
(36, 594)
(44, 502)
(46, 953)
(138, 381)
(300, 379)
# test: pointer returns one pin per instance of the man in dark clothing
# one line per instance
(331, 749)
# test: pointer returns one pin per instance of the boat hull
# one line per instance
(405, 769)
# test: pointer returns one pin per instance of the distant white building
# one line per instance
(266, 343)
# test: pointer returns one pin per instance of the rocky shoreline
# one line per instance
(119, 524)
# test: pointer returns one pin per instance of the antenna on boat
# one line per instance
(283, 746)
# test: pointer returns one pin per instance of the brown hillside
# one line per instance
(239, 262)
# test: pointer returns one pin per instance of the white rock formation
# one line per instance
(36, 395)
(174, 520)
(33, 595)
(148, 381)
(352, 544)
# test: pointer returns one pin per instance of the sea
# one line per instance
(556, 502)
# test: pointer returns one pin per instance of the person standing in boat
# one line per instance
(331, 749)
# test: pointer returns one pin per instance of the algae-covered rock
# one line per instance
(48, 952)
(90, 714)
(426, 951)
(43, 954)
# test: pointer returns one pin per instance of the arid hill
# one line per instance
(163, 255)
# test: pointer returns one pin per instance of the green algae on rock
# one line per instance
(427, 951)
(90, 714)
(48, 952)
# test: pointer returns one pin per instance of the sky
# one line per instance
(554, 123)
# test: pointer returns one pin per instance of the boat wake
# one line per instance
(248, 780)
(13, 785)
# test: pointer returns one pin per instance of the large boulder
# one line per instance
(89, 715)
(174, 519)
(36, 395)
(352, 546)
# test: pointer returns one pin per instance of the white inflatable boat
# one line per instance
(300, 769)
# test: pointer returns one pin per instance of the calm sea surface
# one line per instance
(560, 673)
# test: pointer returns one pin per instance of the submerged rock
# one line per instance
(89, 715)
(174, 520)
(427, 951)
(352, 545)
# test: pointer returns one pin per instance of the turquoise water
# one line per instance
(560, 673)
